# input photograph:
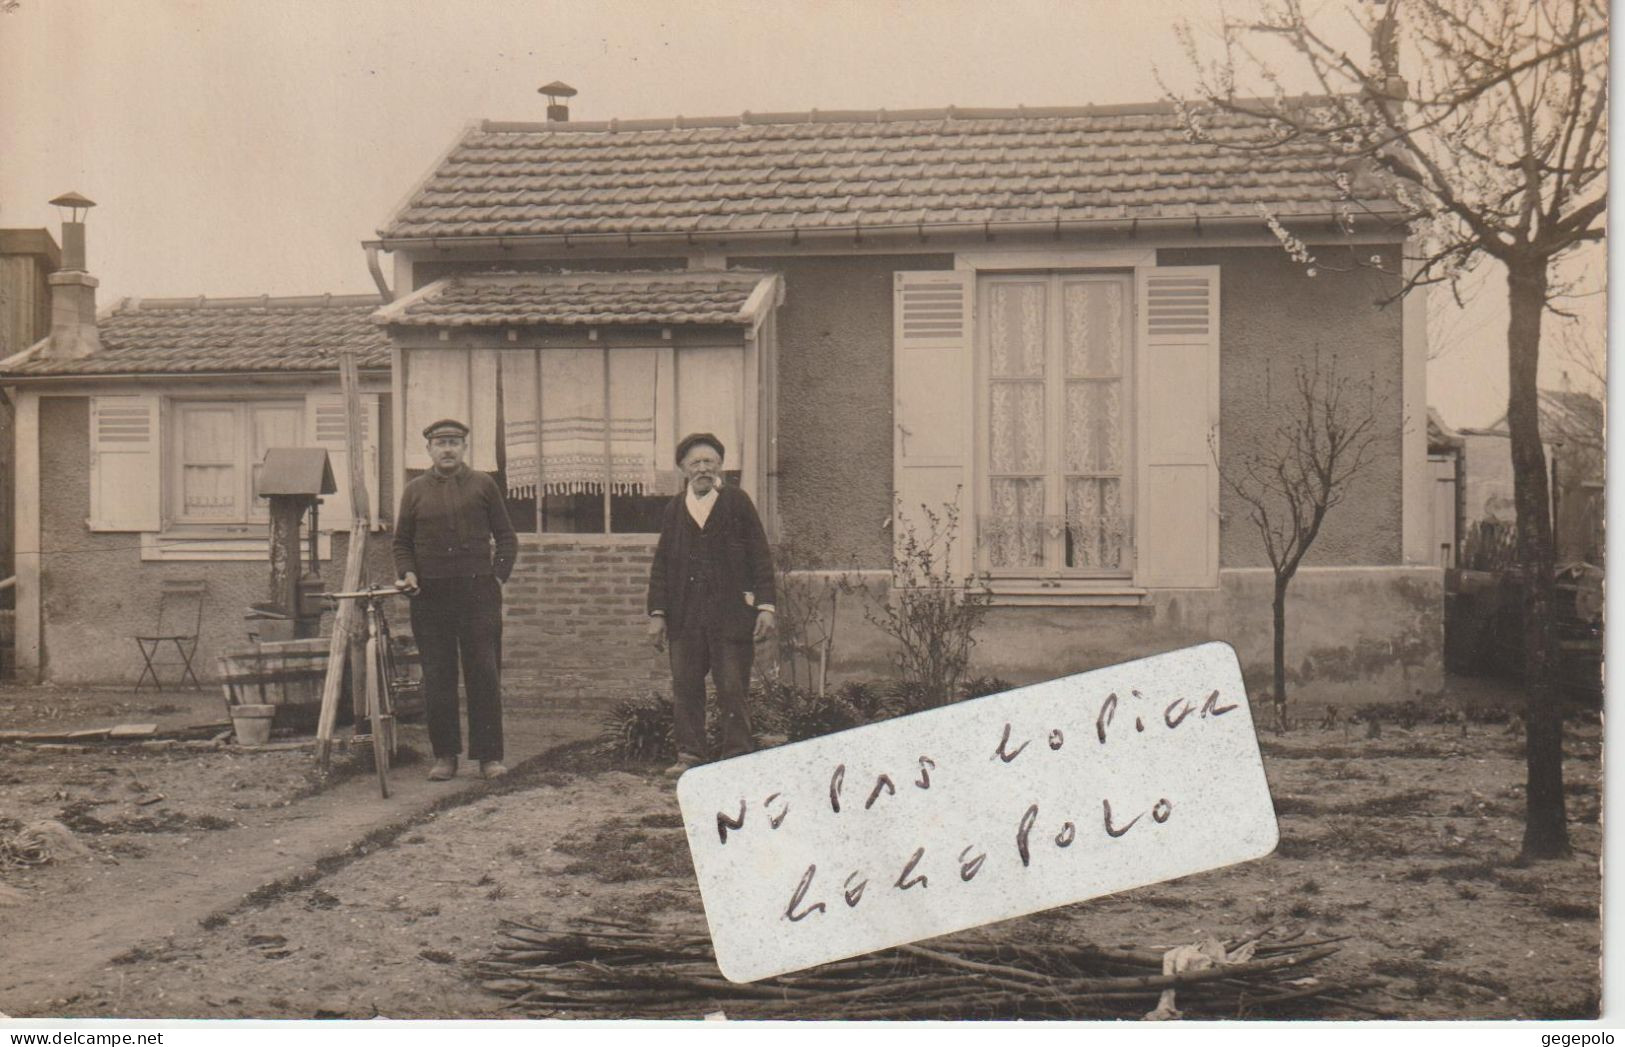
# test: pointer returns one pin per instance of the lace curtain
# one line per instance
(1091, 528)
(1013, 530)
(573, 425)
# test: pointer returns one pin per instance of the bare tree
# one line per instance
(1297, 474)
(1499, 148)
(809, 603)
(930, 612)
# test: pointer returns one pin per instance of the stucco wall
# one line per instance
(1354, 635)
(1274, 318)
(97, 591)
(835, 400)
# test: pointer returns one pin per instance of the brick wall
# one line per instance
(574, 627)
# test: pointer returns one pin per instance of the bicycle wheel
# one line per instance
(386, 674)
(380, 744)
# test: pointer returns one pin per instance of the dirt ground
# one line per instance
(1405, 843)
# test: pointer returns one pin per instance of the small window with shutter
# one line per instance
(213, 453)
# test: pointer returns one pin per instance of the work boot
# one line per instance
(445, 769)
(492, 769)
(684, 762)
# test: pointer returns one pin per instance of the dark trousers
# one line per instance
(695, 651)
(460, 619)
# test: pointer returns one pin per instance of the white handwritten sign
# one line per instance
(980, 811)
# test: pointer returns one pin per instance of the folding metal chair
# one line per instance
(176, 598)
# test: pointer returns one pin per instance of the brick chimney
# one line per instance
(73, 290)
(557, 112)
(1385, 56)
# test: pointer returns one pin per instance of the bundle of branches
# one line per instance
(599, 968)
(38, 843)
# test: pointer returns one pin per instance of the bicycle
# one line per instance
(380, 667)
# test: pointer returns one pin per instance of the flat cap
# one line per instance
(687, 442)
(445, 427)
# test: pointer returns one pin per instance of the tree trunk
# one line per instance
(1545, 833)
(1280, 653)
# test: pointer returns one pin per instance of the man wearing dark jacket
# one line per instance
(710, 599)
(450, 517)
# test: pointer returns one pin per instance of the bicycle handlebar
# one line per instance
(375, 593)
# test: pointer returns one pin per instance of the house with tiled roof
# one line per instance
(1572, 434)
(1061, 322)
(140, 432)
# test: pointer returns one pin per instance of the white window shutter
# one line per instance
(325, 427)
(126, 492)
(932, 425)
(1178, 514)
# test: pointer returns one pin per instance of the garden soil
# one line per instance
(247, 891)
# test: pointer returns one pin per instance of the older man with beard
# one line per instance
(711, 598)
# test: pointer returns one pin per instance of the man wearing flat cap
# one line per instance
(710, 599)
(454, 547)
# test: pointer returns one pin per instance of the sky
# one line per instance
(245, 147)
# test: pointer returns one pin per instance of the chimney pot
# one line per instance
(73, 246)
(73, 289)
(557, 111)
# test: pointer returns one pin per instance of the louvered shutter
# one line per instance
(1178, 527)
(125, 485)
(932, 379)
(325, 427)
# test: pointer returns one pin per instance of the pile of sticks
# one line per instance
(38, 843)
(599, 968)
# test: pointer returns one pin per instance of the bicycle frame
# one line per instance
(380, 676)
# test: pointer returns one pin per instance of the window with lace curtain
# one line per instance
(217, 456)
(1055, 426)
(582, 439)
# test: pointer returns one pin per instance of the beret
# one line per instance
(687, 442)
(445, 425)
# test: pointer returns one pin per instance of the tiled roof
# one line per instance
(513, 299)
(196, 335)
(1565, 415)
(810, 171)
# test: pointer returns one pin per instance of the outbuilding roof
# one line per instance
(507, 299)
(793, 172)
(203, 335)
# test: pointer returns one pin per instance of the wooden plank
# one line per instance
(133, 730)
(28, 637)
(346, 620)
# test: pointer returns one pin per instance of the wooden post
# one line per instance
(286, 512)
(347, 618)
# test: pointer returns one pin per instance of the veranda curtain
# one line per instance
(521, 456)
(573, 427)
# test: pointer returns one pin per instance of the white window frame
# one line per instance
(182, 540)
(253, 515)
(1163, 458)
(1055, 382)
